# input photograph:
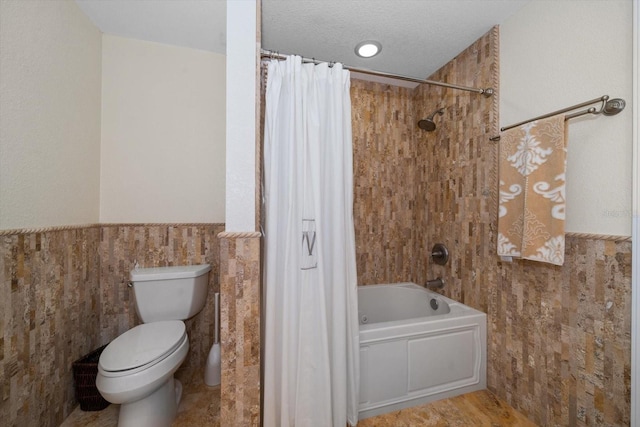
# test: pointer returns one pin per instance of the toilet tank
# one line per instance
(170, 293)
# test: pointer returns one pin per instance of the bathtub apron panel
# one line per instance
(419, 357)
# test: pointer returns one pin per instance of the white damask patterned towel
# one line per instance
(532, 196)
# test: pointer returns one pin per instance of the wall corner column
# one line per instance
(240, 328)
(240, 288)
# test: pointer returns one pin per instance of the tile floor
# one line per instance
(477, 409)
(200, 406)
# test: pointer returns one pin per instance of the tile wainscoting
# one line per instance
(240, 320)
(50, 316)
(63, 293)
(156, 245)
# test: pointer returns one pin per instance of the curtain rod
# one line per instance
(264, 54)
(608, 108)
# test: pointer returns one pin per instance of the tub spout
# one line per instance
(435, 283)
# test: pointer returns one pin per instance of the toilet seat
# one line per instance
(141, 347)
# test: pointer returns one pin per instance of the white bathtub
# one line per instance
(411, 354)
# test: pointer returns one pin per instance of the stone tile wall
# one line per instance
(558, 337)
(240, 323)
(560, 344)
(384, 157)
(49, 317)
(157, 245)
(63, 293)
(457, 177)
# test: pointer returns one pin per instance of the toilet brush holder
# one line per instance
(212, 371)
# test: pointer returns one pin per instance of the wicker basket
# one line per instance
(85, 371)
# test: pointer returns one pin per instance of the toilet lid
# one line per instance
(141, 345)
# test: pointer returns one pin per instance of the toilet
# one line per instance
(136, 369)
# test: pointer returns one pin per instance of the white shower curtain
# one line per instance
(312, 344)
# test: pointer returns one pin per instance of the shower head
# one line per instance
(428, 124)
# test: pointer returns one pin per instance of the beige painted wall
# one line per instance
(163, 133)
(50, 57)
(554, 54)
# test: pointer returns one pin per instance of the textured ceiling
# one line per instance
(417, 36)
(199, 24)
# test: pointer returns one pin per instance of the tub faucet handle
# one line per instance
(440, 254)
(435, 283)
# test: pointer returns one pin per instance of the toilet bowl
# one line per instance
(136, 369)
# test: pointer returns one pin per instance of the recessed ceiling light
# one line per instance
(368, 48)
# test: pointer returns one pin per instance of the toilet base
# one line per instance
(159, 409)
